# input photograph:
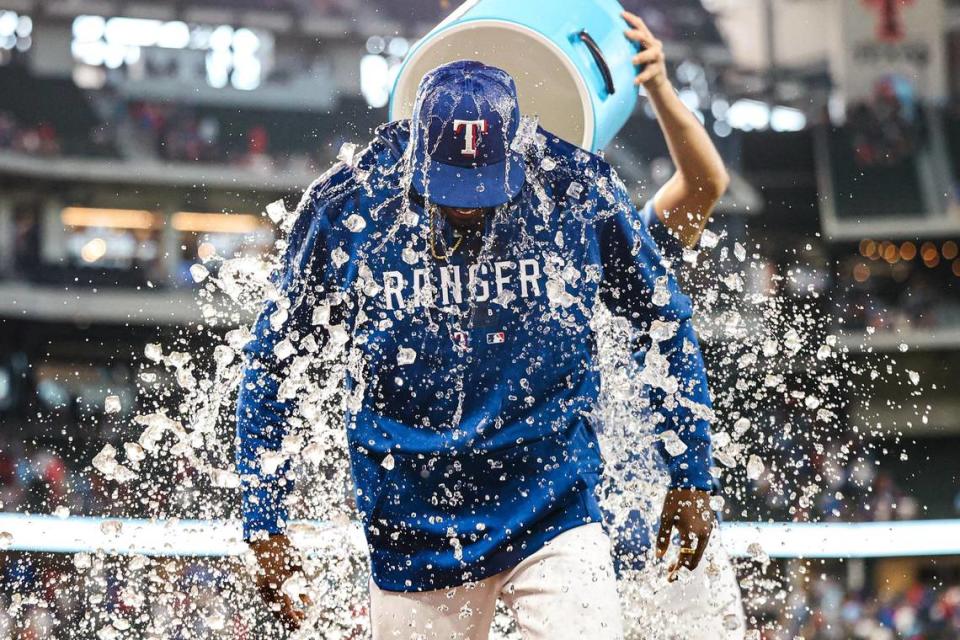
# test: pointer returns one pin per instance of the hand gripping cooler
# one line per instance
(570, 60)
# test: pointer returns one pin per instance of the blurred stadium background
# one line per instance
(138, 137)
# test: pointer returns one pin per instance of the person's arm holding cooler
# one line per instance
(684, 203)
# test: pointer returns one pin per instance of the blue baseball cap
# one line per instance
(465, 118)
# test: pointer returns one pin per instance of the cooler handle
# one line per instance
(597, 54)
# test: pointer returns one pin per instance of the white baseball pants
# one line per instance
(565, 591)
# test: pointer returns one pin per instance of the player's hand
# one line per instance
(688, 511)
(651, 58)
(278, 563)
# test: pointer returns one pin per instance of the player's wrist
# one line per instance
(658, 83)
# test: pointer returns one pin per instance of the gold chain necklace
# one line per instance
(433, 238)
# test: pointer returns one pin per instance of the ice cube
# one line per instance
(661, 291)
(199, 272)
(506, 297)
(107, 633)
(111, 528)
(709, 239)
(410, 256)
(739, 251)
(770, 348)
(348, 154)
(772, 380)
(339, 257)
(338, 336)
(716, 503)
(270, 461)
(548, 163)
(223, 355)
(278, 318)
(224, 479)
(575, 190)
(238, 338)
(690, 256)
(741, 426)
(153, 352)
(277, 211)
(823, 352)
(106, 461)
(914, 377)
(313, 453)
(388, 462)
(134, 451)
(321, 314)
(725, 458)
(720, 439)
(792, 341)
(111, 404)
(284, 349)
(733, 281)
(756, 551)
(661, 331)
(811, 402)
(215, 621)
(457, 548)
(672, 443)
(178, 359)
(410, 218)
(355, 223)
(557, 293)
(754, 467)
(406, 356)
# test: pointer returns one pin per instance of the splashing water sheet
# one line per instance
(348, 303)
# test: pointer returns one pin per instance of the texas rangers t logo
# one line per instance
(472, 127)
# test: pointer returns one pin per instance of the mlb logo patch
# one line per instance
(498, 337)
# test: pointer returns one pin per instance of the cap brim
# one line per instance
(470, 187)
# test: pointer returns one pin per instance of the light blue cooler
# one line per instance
(570, 59)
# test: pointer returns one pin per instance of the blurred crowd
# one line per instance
(168, 133)
(81, 596)
(856, 492)
(176, 133)
(823, 609)
(39, 139)
(67, 597)
(833, 487)
(904, 296)
(887, 128)
(38, 480)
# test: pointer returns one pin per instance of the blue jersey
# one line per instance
(471, 440)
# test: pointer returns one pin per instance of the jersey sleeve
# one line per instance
(638, 285)
(669, 245)
(283, 337)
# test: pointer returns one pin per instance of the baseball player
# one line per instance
(461, 257)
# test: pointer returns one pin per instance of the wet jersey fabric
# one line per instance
(471, 381)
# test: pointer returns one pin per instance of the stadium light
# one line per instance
(375, 80)
(748, 115)
(787, 119)
(194, 222)
(108, 218)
